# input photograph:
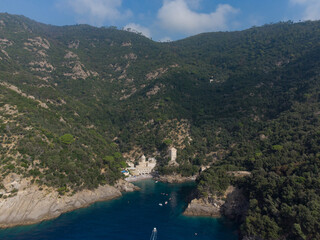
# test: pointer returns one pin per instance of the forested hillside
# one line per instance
(77, 101)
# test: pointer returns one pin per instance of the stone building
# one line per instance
(173, 156)
(144, 166)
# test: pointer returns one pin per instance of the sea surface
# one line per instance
(131, 217)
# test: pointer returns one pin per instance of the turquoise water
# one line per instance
(131, 217)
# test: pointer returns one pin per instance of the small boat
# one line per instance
(160, 204)
(166, 202)
(154, 234)
(156, 181)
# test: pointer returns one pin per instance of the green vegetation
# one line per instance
(245, 100)
(67, 138)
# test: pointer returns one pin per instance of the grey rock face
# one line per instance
(31, 205)
(232, 205)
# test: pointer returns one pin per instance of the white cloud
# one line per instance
(195, 4)
(98, 11)
(311, 8)
(133, 27)
(176, 16)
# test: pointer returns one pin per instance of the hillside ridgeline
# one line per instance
(77, 101)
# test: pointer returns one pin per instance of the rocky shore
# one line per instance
(31, 204)
(231, 204)
(204, 207)
(139, 178)
(176, 178)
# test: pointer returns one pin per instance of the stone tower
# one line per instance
(173, 154)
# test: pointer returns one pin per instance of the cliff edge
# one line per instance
(29, 203)
(231, 204)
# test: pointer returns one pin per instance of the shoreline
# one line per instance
(27, 223)
(32, 206)
(138, 178)
(175, 178)
(108, 218)
(232, 205)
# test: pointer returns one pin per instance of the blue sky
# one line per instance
(164, 20)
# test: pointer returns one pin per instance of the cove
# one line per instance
(131, 217)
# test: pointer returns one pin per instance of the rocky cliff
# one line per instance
(231, 204)
(29, 203)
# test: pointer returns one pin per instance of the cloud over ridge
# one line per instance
(176, 16)
(133, 27)
(311, 8)
(98, 11)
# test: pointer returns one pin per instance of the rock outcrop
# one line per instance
(125, 186)
(231, 204)
(235, 206)
(204, 207)
(29, 204)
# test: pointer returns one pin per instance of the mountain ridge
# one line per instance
(76, 101)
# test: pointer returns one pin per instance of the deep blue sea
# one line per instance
(131, 217)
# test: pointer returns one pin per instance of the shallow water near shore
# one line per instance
(131, 217)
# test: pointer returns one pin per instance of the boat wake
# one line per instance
(154, 234)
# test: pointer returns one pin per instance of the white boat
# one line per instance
(160, 204)
(154, 234)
